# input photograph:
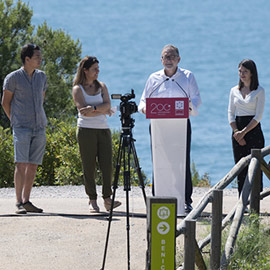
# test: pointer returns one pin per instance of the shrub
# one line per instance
(198, 181)
(6, 158)
(62, 162)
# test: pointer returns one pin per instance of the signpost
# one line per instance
(161, 226)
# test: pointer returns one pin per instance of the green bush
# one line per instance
(134, 179)
(6, 158)
(61, 162)
(198, 181)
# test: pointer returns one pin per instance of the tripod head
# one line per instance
(126, 108)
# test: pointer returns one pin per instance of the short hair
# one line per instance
(28, 51)
(251, 66)
(170, 47)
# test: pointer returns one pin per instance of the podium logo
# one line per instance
(179, 107)
(159, 108)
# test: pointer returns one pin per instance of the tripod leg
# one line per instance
(115, 185)
(127, 189)
(138, 168)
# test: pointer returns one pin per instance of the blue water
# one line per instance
(212, 36)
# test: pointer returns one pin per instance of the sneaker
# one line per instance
(108, 204)
(29, 207)
(188, 208)
(93, 206)
(20, 209)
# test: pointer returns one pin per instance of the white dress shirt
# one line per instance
(252, 104)
(181, 84)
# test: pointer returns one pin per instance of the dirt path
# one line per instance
(67, 236)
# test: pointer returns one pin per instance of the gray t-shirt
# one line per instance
(27, 102)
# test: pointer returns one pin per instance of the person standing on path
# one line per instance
(245, 111)
(172, 81)
(22, 101)
(92, 100)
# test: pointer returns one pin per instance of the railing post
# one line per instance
(216, 229)
(189, 257)
(256, 187)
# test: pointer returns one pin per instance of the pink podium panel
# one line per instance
(167, 108)
(168, 135)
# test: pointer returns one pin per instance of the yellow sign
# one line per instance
(163, 236)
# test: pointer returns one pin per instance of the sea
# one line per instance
(213, 36)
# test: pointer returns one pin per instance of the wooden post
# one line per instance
(225, 181)
(256, 187)
(242, 202)
(199, 258)
(216, 229)
(189, 257)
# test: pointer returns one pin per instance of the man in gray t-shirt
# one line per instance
(23, 97)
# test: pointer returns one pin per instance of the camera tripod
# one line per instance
(126, 147)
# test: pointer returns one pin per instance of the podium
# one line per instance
(168, 136)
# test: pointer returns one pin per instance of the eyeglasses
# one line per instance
(170, 57)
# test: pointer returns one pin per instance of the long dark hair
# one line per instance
(251, 66)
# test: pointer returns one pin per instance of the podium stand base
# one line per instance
(169, 159)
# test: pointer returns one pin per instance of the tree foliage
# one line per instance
(61, 163)
(15, 31)
(60, 56)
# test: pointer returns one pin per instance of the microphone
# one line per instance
(190, 109)
(158, 86)
(180, 87)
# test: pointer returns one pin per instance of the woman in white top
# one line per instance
(245, 111)
(92, 100)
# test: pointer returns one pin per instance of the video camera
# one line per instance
(126, 108)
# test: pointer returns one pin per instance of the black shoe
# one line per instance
(188, 208)
(29, 207)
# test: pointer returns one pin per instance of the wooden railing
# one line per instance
(193, 255)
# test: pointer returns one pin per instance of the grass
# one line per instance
(252, 250)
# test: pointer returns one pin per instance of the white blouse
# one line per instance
(252, 104)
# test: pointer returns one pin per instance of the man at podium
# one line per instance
(173, 81)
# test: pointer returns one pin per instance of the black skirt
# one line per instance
(254, 140)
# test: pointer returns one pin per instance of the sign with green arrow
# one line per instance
(162, 230)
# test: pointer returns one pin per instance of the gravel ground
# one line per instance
(78, 192)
